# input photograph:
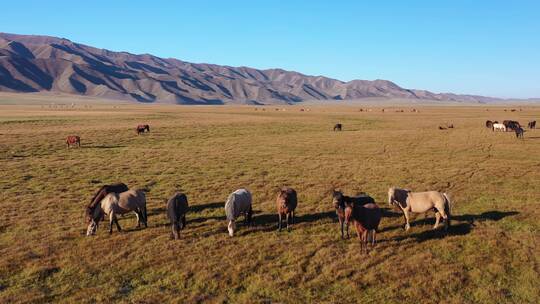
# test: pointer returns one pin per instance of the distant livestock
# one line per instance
(519, 132)
(499, 127)
(511, 125)
(119, 203)
(238, 203)
(532, 124)
(337, 127)
(177, 207)
(421, 202)
(489, 124)
(142, 128)
(286, 203)
(73, 140)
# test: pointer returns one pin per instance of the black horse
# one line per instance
(177, 207)
(338, 127)
(532, 124)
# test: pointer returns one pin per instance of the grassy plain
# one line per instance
(491, 254)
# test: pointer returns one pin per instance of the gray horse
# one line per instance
(119, 203)
(177, 207)
(421, 202)
(238, 202)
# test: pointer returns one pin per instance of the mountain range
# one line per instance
(30, 63)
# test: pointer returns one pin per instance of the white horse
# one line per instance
(421, 202)
(119, 203)
(238, 202)
(499, 127)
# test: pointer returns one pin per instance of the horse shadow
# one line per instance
(201, 207)
(463, 228)
(104, 146)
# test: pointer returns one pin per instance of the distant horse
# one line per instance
(499, 127)
(519, 132)
(286, 203)
(366, 219)
(119, 203)
(100, 194)
(339, 201)
(73, 140)
(511, 125)
(338, 127)
(421, 202)
(177, 207)
(238, 202)
(532, 124)
(141, 128)
(489, 124)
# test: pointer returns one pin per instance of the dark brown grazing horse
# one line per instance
(286, 203)
(100, 194)
(519, 132)
(73, 140)
(489, 124)
(532, 124)
(511, 125)
(338, 127)
(366, 219)
(177, 207)
(339, 201)
(142, 128)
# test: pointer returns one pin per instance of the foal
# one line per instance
(286, 203)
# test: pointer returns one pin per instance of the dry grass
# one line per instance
(490, 255)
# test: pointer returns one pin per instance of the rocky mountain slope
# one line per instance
(41, 63)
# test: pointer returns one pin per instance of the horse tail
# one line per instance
(447, 207)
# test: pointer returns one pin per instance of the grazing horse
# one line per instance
(499, 127)
(366, 219)
(511, 125)
(119, 203)
(177, 207)
(73, 140)
(338, 127)
(339, 201)
(519, 132)
(238, 202)
(421, 202)
(286, 203)
(532, 124)
(100, 194)
(141, 128)
(489, 124)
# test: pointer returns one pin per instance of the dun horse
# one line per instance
(119, 203)
(177, 207)
(421, 202)
(238, 202)
(339, 201)
(286, 203)
(100, 194)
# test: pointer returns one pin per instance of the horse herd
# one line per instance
(510, 125)
(360, 210)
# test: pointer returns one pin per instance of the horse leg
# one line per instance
(111, 220)
(437, 219)
(373, 237)
(341, 225)
(174, 230)
(406, 214)
(279, 221)
(184, 221)
(287, 219)
(139, 216)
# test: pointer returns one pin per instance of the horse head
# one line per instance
(231, 227)
(337, 199)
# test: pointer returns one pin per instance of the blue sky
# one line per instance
(477, 47)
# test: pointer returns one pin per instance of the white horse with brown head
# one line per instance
(421, 202)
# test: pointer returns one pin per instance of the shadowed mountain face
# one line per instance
(42, 63)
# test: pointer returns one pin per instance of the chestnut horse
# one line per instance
(366, 219)
(73, 140)
(339, 200)
(286, 203)
(141, 128)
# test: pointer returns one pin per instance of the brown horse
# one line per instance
(532, 124)
(339, 201)
(338, 127)
(141, 128)
(286, 203)
(100, 194)
(73, 140)
(366, 219)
